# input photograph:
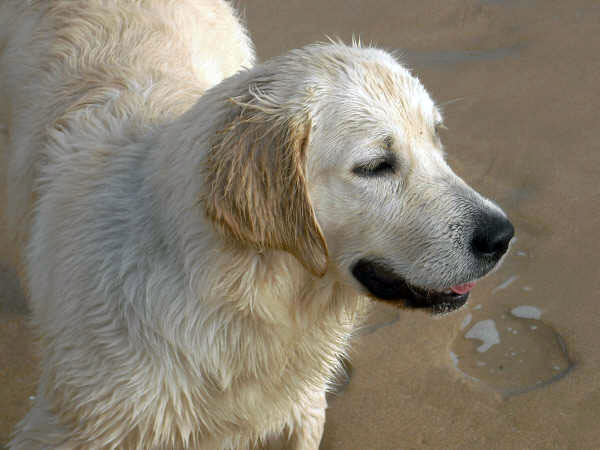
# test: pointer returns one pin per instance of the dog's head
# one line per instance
(332, 153)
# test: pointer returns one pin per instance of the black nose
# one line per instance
(492, 235)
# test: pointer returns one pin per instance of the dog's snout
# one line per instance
(492, 236)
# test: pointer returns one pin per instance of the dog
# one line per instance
(201, 233)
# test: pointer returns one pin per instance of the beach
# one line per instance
(519, 366)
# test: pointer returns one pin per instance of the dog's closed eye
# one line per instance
(376, 167)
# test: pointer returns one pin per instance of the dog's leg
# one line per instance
(304, 431)
(308, 424)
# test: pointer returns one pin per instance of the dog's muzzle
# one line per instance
(383, 284)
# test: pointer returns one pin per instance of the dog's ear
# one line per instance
(256, 184)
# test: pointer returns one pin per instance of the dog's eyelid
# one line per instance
(378, 166)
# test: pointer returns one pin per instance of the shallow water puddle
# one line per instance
(512, 353)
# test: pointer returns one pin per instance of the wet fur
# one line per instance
(190, 219)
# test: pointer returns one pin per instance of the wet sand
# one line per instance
(519, 81)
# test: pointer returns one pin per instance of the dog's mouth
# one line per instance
(383, 284)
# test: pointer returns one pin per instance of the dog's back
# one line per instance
(81, 77)
(62, 58)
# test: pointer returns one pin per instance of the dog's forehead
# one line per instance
(373, 89)
(395, 94)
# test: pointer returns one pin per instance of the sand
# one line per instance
(519, 85)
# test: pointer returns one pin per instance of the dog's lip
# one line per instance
(383, 284)
(438, 302)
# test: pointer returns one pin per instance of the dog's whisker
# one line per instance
(449, 102)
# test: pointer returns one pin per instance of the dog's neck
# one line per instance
(271, 288)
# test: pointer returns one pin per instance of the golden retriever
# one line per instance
(202, 234)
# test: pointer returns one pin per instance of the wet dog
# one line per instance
(203, 233)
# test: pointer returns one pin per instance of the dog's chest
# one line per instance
(277, 375)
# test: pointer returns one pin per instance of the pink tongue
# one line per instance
(462, 288)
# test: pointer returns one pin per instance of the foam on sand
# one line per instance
(485, 331)
(526, 312)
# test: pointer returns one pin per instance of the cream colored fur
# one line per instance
(188, 252)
